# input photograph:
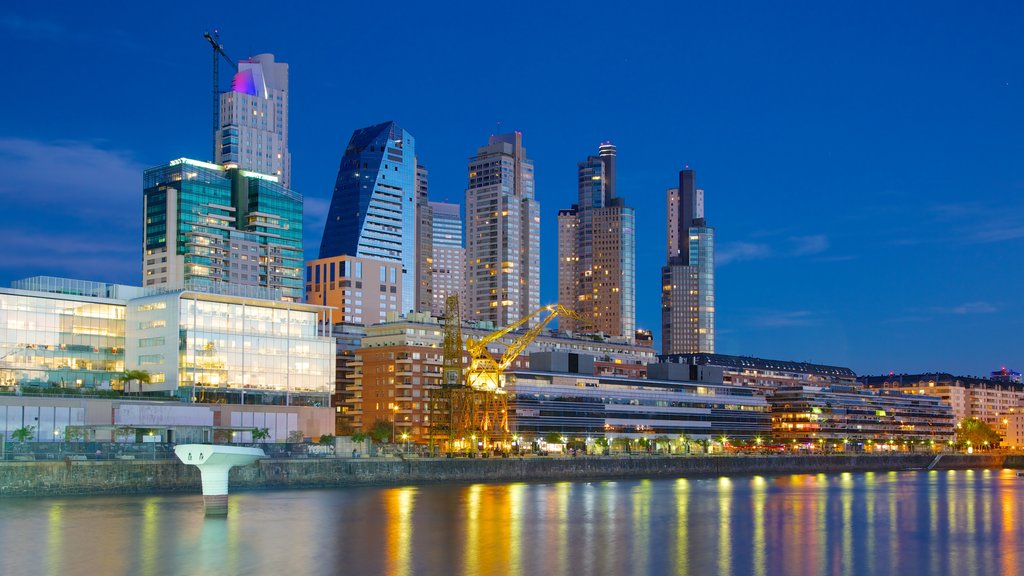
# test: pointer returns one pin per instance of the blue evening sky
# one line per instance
(862, 161)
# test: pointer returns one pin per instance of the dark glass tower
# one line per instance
(373, 208)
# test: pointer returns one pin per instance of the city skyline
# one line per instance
(897, 231)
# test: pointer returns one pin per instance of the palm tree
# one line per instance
(135, 376)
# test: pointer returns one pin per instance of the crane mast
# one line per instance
(218, 53)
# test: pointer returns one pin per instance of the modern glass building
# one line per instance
(210, 226)
(502, 233)
(688, 279)
(373, 207)
(597, 253)
(201, 346)
(449, 257)
(579, 404)
(814, 414)
(73, 338)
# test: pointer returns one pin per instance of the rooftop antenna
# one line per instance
(218, 53)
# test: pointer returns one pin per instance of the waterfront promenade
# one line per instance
(140, 476)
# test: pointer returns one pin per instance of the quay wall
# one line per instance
(140, 476)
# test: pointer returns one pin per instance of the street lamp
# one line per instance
(405, 438)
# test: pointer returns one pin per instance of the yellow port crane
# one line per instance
(485, 371)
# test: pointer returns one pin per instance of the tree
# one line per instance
(553, 438)
(359, 437)
(24, 434)
(139, 376)
(381, 430)
(976, 432)
(326, 440)
(260, 434)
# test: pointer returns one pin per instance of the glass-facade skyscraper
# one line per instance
(502, 233)
(219, 229)
(688, 279)
(597, 252)
(449, 257)
(373, 207)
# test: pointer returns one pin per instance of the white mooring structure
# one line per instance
(214, 462)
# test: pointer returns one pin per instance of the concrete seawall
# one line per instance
(107, 477)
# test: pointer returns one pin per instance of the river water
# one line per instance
(940, 522)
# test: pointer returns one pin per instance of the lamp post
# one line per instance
(405, 438)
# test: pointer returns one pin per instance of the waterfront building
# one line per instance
(357, 290)
(1013, 433)
(211, 226)
(131, 421)
(399, 361)
(348, 338)
(990, 401)
(253, 132)
(850, 417)
(198, 345)
(424, 243)
(373, 207)
(766, 375)
(449, 256)
(596, 249)
(550, 397)
(688, 279)
(502, 233)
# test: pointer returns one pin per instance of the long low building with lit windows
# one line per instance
(816, 414)
(198, 345)
(560, 393)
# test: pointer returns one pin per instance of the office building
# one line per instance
(373, 207)
(767, 375)
(449, 257)
(213, 227)
(253, 133)
(502, 233)
(851, 418)
(196, 344)
(355, 290)
(596, 249)
(552, 396)
(688, 279)
(988, 400)
(424, 243)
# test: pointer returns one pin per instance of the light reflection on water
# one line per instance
(938, 522)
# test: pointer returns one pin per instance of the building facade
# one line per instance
(767, 375)
(542, 401)
(373, 207)
(991, 401)
(502, 233)
(449, 256)
(200, 346)
(357, 290)
(688, 279)
(424, 243)
(849, 417)
(213, 226)
(253, 134)
(596, 245)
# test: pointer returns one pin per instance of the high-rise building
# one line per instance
(449, 259)
(688, 279)
(361, 291)
(596, 252)
(373, 208)
(253, 132)
(207, 227)
(502, 233)
(424, 243)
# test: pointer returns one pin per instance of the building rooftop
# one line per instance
(750, 362)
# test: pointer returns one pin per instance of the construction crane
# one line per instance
(485, 370)
(218, 53)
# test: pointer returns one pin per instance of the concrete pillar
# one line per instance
(214, 462)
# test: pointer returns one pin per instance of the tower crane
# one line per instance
(485, 370)
(218, 53)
